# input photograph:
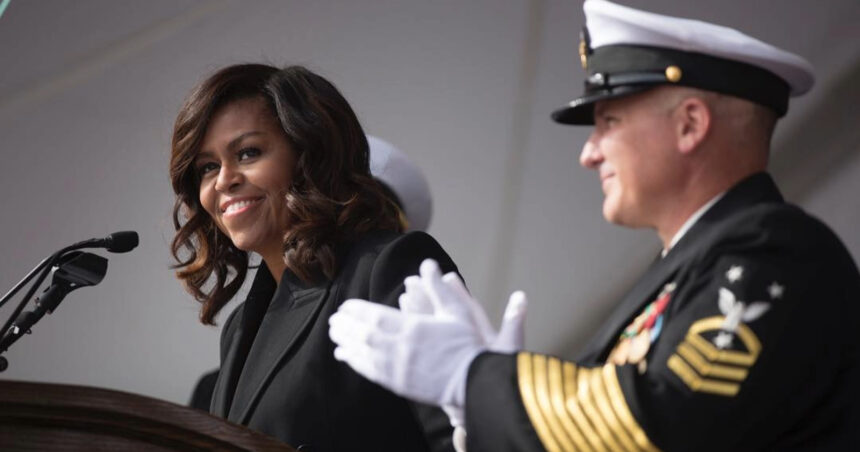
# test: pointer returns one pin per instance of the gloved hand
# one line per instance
(509, 338)
(415, 353)
(419, 356)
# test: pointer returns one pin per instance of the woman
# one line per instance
(274, 162)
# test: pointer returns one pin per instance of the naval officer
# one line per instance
(742, 336)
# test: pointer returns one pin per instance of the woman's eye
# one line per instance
(248, 153)
(206, 168)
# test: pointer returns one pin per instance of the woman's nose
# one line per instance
(229, 177)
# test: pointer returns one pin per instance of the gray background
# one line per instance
(89, 90)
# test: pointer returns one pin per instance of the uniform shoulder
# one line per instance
(777, 241)
(783, 226)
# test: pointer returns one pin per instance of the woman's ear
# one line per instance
(693, 122)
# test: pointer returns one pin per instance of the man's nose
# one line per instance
(590, 156)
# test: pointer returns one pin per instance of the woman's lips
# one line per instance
(238, 207)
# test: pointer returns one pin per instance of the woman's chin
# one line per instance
(243, 242)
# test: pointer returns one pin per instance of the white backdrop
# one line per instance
(89, 90)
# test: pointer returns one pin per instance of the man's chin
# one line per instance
(617, 216)
(611, 212)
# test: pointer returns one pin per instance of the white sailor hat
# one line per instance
(404, 179)
(625, 51)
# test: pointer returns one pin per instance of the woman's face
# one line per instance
(245, 168)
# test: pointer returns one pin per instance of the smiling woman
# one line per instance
(274, 162)
(245, 169)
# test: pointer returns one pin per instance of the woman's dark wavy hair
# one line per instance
(333, 198)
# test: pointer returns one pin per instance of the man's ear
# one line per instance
(693, 123)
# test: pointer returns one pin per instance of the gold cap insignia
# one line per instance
(584, 47)
(673, 74)
(583, 56)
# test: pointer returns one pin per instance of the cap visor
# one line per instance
(580, 111)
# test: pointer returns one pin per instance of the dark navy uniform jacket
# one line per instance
(278, 372)
(757, 349)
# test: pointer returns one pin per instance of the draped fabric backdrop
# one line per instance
(89, 90)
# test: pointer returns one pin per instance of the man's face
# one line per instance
(632, 147)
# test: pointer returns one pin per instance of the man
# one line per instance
(743, 336)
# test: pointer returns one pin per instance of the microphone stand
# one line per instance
(27, 298)
(4, 363)
(26, 278)
(10, 332)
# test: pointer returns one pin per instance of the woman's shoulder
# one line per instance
(385, 245)
(385, 259)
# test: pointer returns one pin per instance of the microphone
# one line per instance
(118, 242)
(121, 242)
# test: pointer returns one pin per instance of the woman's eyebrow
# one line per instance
(231, 145)
(235, 141)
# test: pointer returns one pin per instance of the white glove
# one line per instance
(509, 338)
(420, 356)
(511, 334)
(419, 353)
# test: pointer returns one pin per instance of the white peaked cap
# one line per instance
(611, 24)
(392, 167)
(625, 51)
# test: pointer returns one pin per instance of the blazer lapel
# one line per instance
(756, 189)
(242, 328)
(222, 394)
(292, 312)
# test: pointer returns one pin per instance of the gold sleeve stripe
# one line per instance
(525, 377)
(557, 396)
(570, 401)
(707, 369)
(602, 401)
(585, 393)
(577, 409)
(616, 397)
(696, 383)
(541, 384)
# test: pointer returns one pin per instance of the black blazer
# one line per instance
(278, 372)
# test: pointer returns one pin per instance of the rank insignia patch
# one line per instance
(717, 352)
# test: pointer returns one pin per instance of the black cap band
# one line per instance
(620, 70)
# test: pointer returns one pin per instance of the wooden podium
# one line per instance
(42, 417)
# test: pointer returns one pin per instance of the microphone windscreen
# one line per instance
(121, 242)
